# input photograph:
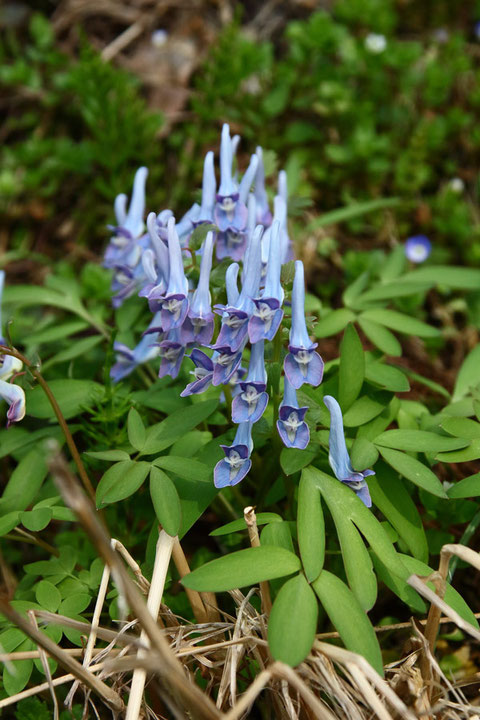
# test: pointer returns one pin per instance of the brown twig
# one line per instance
(251, 521)
(183, 569)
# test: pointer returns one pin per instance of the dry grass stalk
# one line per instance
(195, 599)
(143, 583)
(46, 669)
(251, 521)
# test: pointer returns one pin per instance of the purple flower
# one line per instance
(230, 210)
(128, 360)
(203, 373)
(174, 304)
(236, 463)
(250, 403)
(233, 333)
(267, 313)
(291, 424)
(226, 363)
(302, 364)
(263, 214)
(339, 458)
(209, 188)
(171, 353)
(9, 367)
(198, 325)
(418, 248)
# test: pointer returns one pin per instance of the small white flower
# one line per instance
(456, 185)
(375, 43)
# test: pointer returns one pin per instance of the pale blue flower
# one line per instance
(203, 373)
(267, 313)
(263, 214)
(171, 351)
(418, 248)
(340, 459)
(291, 424)
(174, 304)
(198, 325)
(236, 464)
(250, 403)
(302, 364)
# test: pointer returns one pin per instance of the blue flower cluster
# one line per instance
(244, 230)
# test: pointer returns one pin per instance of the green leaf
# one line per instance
(363, 454)
(36, 520)
(240, 524)
(16, 673)
(136, 430)
(466, 488)
(310, 528)
(459, 278)
(71, 395)
(428, 383)
(418, 441)
(348, 618)
(279, 534)
(468, 376)
(293, 460)
(400, 322)
(111, 455)
(293, 622)
(352, 292)
(386, 376)
(177, 424)
(392, 499)
(120, 481)
(354, 210)
(56, 332)
(165, 501)
(391, 290)
(395, 263)
(9, 521)
(362, 411)
(414, 470)
(472, 452)
(352, 368)
(74, 604)
(241, 568)
(187, 468)
(74, 350)
(48, 596)
(333, 323)
(25, 482)
(399, 586)
(382, 338)
(462, 427)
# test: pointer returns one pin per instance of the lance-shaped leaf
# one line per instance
(348, 618)
(293, 622)
(245, 567)
(310, 527)
(352, 368)
(413, 470)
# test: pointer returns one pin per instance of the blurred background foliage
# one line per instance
(358, 99)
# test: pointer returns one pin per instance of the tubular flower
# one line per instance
(263, 214)
(291, 424)
(233, 333)
(230, 210)
(302, 364)
(226, 363)
(267, 313)
(124, 250)
(198, 325)
(236, 463)
(128, 360)
(174, 304)
(9, 367)
(250, 403)
(339, 458)
(171, 353)
(203, 373)
(209, 187)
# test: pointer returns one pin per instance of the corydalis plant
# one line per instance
(258, 244)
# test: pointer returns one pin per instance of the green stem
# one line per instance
(59, 415)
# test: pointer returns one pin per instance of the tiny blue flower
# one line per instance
(418, 248)
(339, 458)
(236, 463)
(250, 403)
(302, 364)
(291, 424)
